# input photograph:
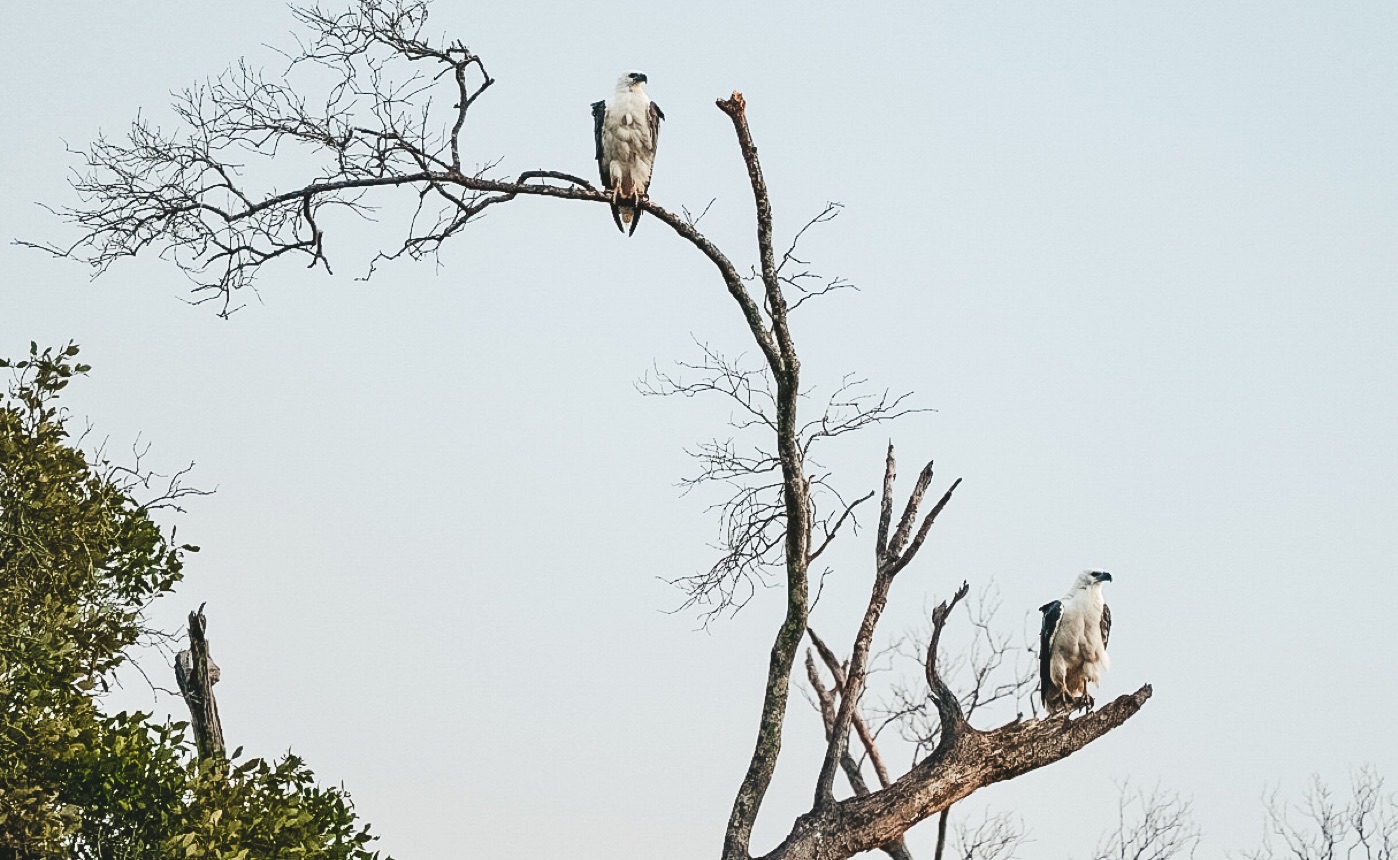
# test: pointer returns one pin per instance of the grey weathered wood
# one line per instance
(196, 675)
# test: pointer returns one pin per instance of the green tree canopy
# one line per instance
(81, 558)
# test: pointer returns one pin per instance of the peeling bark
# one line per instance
(196, 674)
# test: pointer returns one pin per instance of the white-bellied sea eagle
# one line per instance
(1073, 643)
(627, 129)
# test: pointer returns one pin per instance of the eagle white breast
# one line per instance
(627, 129)
(1073, 643)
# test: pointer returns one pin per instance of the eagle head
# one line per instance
(631, 81)
(1088, 578)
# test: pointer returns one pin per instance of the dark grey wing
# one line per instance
(656, 115)
(1106, 624)
(184, 664)
(599, 113)
(1052, 612)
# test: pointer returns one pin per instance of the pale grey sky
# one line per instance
(1141, 260)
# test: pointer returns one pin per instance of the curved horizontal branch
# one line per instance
(973, 760)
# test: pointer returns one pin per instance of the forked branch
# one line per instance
(892, 555)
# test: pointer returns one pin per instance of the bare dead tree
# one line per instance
(213, 197)
(196, 673)
(1365, 827)
(1151, 825)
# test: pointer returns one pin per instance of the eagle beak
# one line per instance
(1102, 576)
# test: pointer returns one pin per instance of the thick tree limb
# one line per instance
(780, 350)
(973, 760)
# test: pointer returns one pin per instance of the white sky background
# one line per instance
(1141, 261)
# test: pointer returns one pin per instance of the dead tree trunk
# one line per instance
(196, 674)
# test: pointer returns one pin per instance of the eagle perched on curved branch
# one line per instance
(1073, 643)
(627, 130)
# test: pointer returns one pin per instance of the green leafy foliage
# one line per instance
(80, 560)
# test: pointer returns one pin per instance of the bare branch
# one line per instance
(826, 699)
(780, 351)
(191, 197)
(807, 283)
(995, 837)
(897, 849)
(1152, 825)
(892, 559)
(735, 107)
(752, 515)
(849, 409)
(985, 671)
(948, 707)
(1367, 827)
(746, 387)
(831, 532)
(861, 728)
(890, 472)
(927, 522)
